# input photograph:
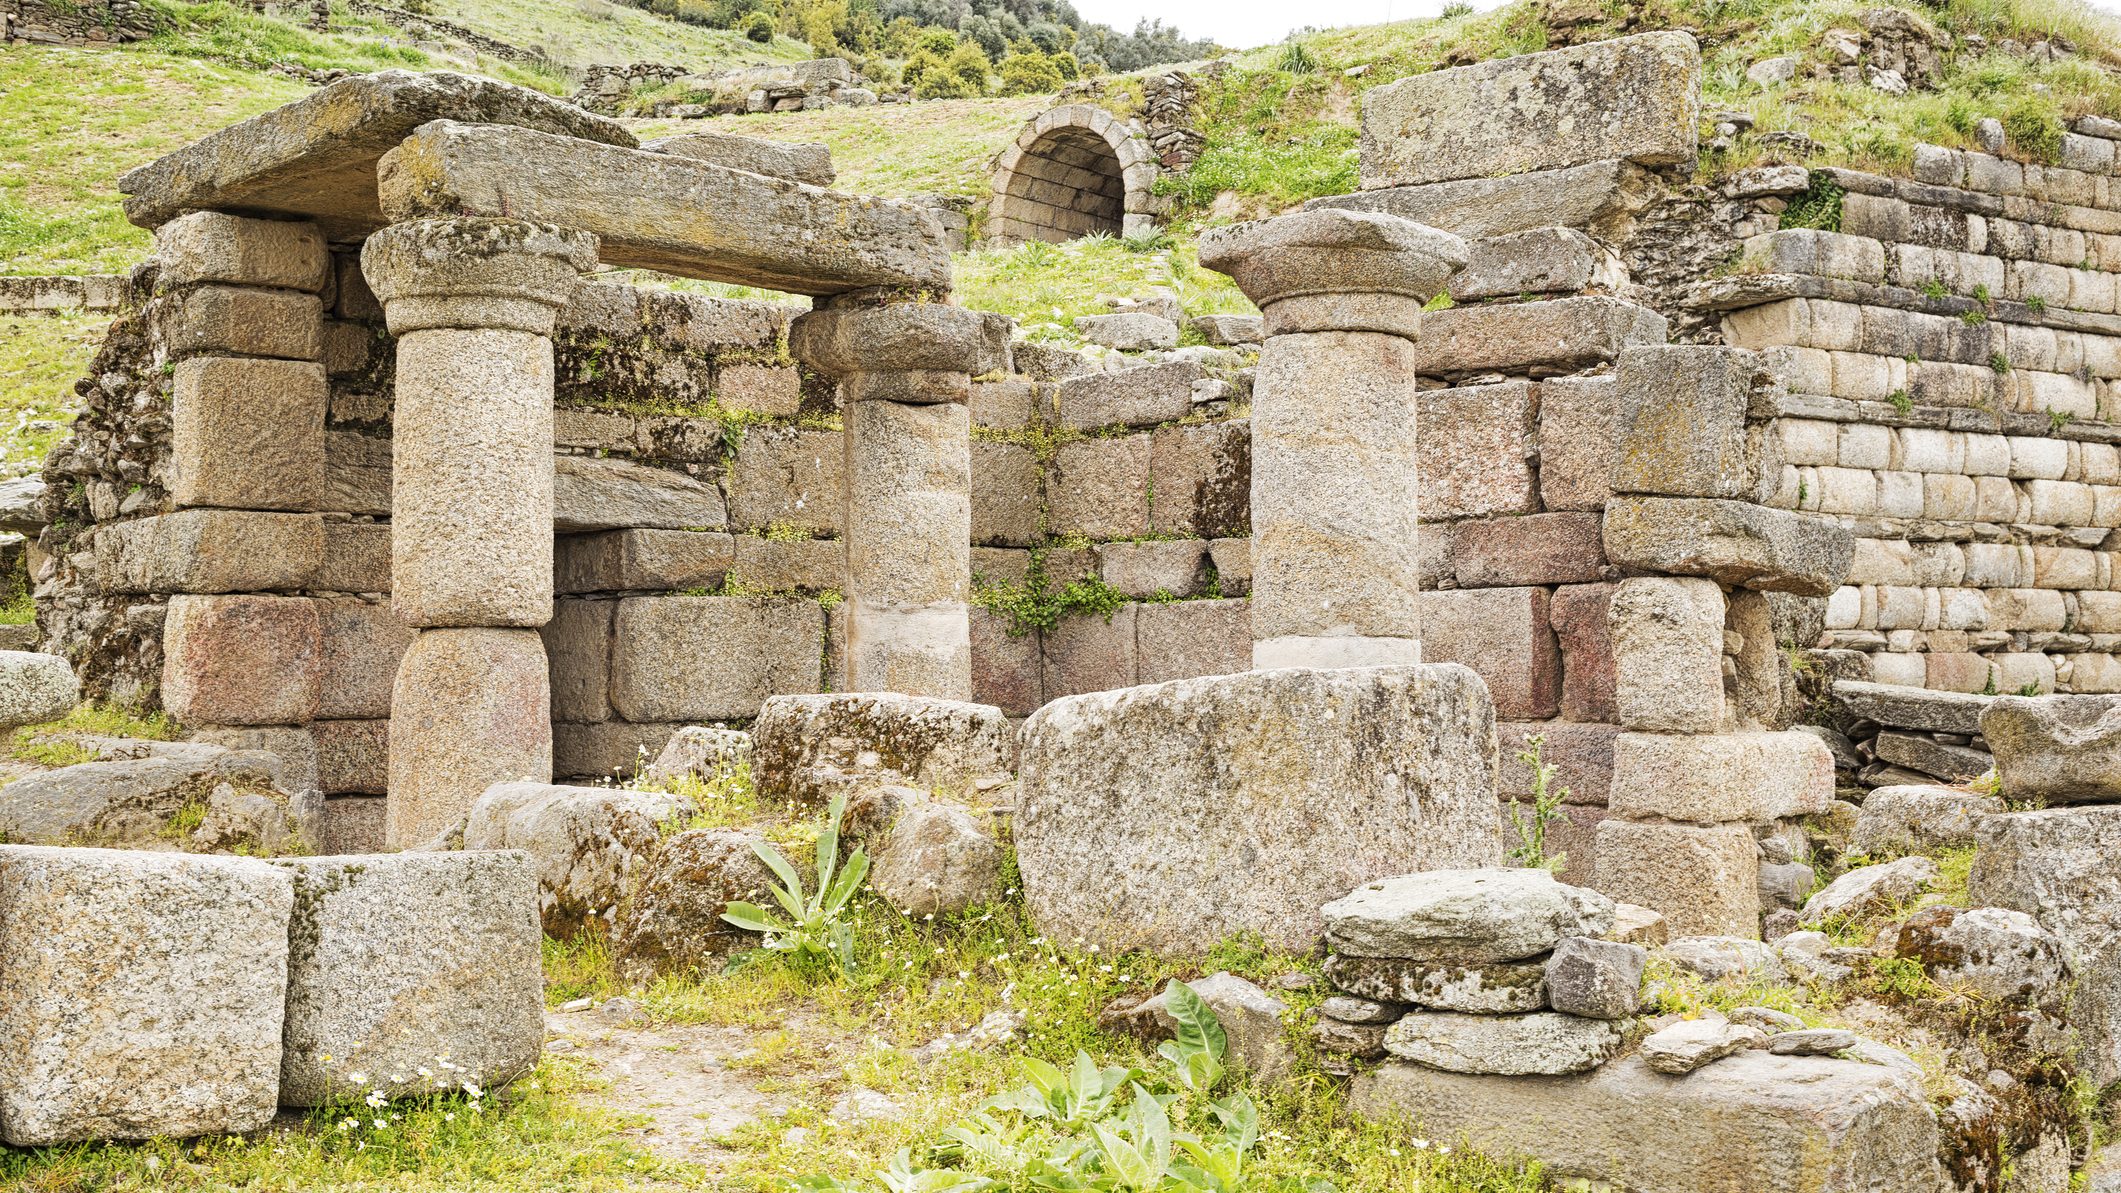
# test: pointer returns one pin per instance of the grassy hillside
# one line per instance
(584, 32)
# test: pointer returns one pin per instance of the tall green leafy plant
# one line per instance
(816, 929)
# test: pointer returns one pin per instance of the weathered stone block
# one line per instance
(1731, 542)
(242, 321)
(809, 162)
(702, 658)
(1544, 339)
(1173, 567)
(248, 434)
(356, 558)
(353, 756)
(2057, 866)
(471, 708)
(672, 920)
(397, 959)
(1100, 488)
(1703, 881)
(1007, 491)
(1202, 479)
(1536, 261)
(1474, 450)
(1504, 635)
(1750, 1121)
(35, 688)
(1667, 641)
(1711, 778)
(789, 565)
(1537, 549)
(1603, 197)
(1191, 639)
(1507, 1045)
(1577, 417)
(591, 494)
(1469, 916)
(2057, 749)
(1007, 670)
(1138, 397)
(1692, 423)
(787, 477)
(209, 551)
(607, 750)
(242, 660)
(1087, 653)
(1582, 618)
(360, 646)
(637, 560)
(933, 744)
(1635, 98)
(1900, 820)
(585, 843)
(145, 994)
(214, 246)
(578, 650)
(353, 824)
(1299, 764)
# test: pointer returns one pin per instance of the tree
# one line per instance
(1028, 72)
(758, 27)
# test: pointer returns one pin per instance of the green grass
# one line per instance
(541, 1135)
(1046, 286)
(53, 744)
(894, 150)
(584, 32)
(41, 356)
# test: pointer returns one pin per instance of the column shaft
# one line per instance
(909, 548)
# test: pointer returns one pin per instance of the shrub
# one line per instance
(1029, 74)
(970, 64)
(758, 27)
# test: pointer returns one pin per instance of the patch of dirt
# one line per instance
(680, 1078)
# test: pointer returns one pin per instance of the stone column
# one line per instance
(905, 372)
(1334, 565)
(472, 304)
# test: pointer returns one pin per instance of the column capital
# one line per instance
(915, 352)
(1335, 270)
(475, 273)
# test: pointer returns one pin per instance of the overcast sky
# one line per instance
(1243, 24)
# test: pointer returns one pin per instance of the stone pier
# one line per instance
(905, 373)
(1334, 556)
(472, 303)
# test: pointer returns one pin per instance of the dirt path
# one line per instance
(679, 1077)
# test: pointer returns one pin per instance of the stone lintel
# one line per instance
(670, 213)
(317, 156)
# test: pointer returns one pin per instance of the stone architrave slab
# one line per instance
(1731, 542)
(1636, 98)
(416, 958)
(144, 991)
(796, 161)
(660, 211)
(317, 156)
(1751, 1121)
(1176, 815)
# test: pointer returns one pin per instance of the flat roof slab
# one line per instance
(316, 157)
(661, 211)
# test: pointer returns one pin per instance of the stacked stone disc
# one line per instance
(1502, 972)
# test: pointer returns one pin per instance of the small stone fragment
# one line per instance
(1871, 888)
(1506, 1045)
(1818, 1041)
(1688, 1045)
(1598, 979)
(1464, 916)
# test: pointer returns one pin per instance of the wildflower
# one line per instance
(358, 1078)
(380, 1125)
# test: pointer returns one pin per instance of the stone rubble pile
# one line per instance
(161, 994)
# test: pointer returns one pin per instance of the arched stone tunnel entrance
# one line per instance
(1073, 171)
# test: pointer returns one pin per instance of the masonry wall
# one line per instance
(77, 22)
(1952, 357)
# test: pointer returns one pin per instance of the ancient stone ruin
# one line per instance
(1541, 474)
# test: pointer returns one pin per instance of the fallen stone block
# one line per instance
(135, 802)
(2000, 955)
(2055, 749)
(1869, 889)
(1897, 820)
(703, 752)
(1463, 916)
(1751, 1122)
(1726, 958)
(1912, 708)
(1175, 815)
(1691, 1043)
(1506, 1045)
(2057, 866)
(1131, 331)
(407, 964)
(936, 859)
(671, 922)
(1596, 979)
(797, 161)
(145, 994)
(35, 688)
(1603, 197)
(585, 842)
(1635, 98)
(925, 742)
(1731, 542)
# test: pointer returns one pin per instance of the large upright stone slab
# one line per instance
(317, 156)
(400, 960)
(1750, 1122)
(1176, 815)
(1636, 98)
(144, 994)
(2058, 867)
